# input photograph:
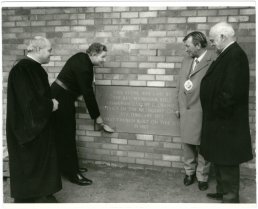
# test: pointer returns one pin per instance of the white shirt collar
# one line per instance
(201, 57)
(227, 46)
(33, 58)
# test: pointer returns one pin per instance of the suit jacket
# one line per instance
(189, 101)
(224, 97)
(77, 75)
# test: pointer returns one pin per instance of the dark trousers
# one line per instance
(65, 125)
(228, 180)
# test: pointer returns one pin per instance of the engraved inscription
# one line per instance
(139, 109)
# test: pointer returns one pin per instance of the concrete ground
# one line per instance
(123, 185)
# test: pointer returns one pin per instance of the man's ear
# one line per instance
(37, 49)
(198, 46)
(223, 37)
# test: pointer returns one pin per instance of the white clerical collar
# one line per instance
(227, 46)
(199, 59)
(33, 58)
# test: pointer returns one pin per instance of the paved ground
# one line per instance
(122, 185)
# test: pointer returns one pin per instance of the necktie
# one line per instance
(196, 61)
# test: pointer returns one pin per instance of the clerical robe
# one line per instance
(30, 135)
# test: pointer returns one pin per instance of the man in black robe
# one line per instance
(34, 172)
(76, 79)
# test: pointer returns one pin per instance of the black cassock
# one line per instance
(32, 155)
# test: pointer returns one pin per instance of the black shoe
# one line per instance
(52, 199)
(80, 180)
(188, 180)
(202, 185)
(215, 196)
(82, 170)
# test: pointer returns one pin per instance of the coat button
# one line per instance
(188, 108)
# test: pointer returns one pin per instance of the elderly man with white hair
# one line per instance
(224, 93)
(34, 172)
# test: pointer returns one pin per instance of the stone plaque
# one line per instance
(146, 110)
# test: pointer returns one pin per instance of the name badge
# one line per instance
(188, 85)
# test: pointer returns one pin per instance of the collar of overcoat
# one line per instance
(213, 65)
(206, 60)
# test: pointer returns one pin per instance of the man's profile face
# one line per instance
(216, 42)
(190, 48)
(45, 53)
(99, 59)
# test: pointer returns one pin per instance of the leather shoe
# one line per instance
(80, 180)
(202, 185)
(52, 199)
(83, 170)
(215, 196)
(188, 180)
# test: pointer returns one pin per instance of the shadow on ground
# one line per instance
(122, 185)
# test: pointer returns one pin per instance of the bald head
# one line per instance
(37, 42)
(224, 29)
(40, 49)
(221, 35)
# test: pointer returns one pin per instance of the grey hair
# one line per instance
(96, 48)
(223, 28)
(37, 41)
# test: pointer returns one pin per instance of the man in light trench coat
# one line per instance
(189, 110)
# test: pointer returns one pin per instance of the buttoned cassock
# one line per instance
(30, 134)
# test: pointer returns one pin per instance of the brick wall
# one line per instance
(144, 49)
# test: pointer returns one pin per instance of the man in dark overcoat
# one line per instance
(75, 79)
(224, 94)
(194, 67)
(34, 172)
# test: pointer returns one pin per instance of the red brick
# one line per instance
(121, 9)
(146, 77)
(153, 156)
(112, 15)
(238, 18)
(86, 22)
(162, 163)
(188, 13)
(156, 58)
(157, 33)
(217, 19)
(147, 65)
(130, 27)
(228, 12)
(247, 11)
(207, 13)
(103, 9)
(176, 20)
(148, 14)
(144, 161)
(247, 25)
(127, 159)
(137, 83)
(129, 14)
(148, 40)
(196, 19)
(139, 21)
